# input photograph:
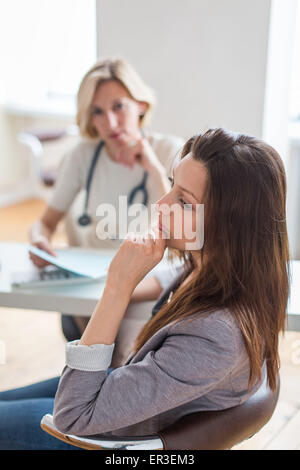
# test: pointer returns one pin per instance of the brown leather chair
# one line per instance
(218, 430)
(204, 430)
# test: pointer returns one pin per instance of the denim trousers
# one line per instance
(21, 411)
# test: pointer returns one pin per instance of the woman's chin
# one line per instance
(170, 243)
(176, 244)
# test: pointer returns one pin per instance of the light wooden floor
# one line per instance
(35, 347)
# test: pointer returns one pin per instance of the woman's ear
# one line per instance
(142, 108)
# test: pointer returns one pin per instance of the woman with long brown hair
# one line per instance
(244, 261)
(213, 337)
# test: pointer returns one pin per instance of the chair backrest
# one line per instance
(222, 429)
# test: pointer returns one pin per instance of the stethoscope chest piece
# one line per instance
(84, 220)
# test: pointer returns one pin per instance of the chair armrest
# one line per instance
(101, 442)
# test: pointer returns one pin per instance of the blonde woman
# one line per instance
(113, 106)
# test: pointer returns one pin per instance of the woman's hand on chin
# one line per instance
(137, 255)
(139, 152)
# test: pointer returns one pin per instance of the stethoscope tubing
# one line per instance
(85, 218)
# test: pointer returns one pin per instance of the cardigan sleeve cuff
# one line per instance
(88, 358)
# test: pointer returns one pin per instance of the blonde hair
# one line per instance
(105, 70)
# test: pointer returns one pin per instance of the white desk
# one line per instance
(77, 299)
(81, 299)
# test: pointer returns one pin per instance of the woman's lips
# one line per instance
(116, 135)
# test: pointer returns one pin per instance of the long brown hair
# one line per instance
(245, 253)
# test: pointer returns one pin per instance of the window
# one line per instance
(49, 45)
(295, 82)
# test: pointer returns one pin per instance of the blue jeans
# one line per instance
(21, 411)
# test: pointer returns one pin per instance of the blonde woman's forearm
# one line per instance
(38, 230)
(160, 178)
(45, 227)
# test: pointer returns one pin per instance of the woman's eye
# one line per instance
(171, 181)
(96, 112)
(186, 205)
(118, 106)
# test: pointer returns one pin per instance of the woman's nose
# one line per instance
(111, 120)
(162, 205)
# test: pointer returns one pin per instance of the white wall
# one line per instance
(206, 59)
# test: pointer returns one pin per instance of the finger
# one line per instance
(47, 248)
(38, 262)
(130, 236)
(134, 151)
(42, 264)
(133, 158)
(151, 234)
(118, 156)
(140, 239)
(160, 241)
(121, 156)
(129, 155)
(127, 159)
(34, 258)
(149, 241)
(51, 251)
(132, 144)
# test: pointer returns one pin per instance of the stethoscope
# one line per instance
(85, 218)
